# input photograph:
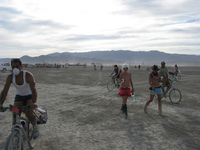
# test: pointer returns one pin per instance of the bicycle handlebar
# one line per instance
(15, 109)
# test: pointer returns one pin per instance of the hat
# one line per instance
(125, 66)
(155, 68)
(162, 62)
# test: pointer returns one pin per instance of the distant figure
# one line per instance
(155, 88)
(95, 67)
(139, 67)
(117, 73)
(101, 67)
(176, 70)
(84, 65)
(125, 91)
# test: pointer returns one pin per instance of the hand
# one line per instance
(33, 106)
(153, 88)
(132, 91)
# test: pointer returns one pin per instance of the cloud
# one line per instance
(48, 26)
(161, 7)
(8, 12)
(92, 37)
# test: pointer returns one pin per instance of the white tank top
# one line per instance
(24, 89)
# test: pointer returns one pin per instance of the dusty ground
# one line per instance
(84, 115)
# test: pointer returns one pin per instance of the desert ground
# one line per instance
(84, 115)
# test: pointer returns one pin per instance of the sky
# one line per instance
(40, 27)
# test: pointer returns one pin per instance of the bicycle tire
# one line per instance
(31, 142)
(175, 96)
(178, 78)
(110, 85)
(13, 141)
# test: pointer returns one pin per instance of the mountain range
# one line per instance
(113, 57)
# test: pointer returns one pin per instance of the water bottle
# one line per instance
(133, 97)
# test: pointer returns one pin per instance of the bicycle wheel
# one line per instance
(14, 142)
(178, 78)
(31, 142)
(175, 96)
(110, 85)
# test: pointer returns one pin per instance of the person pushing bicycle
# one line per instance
(164, 76)
(26, 93)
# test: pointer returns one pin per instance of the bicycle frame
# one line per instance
(20, 129)
(170, 88)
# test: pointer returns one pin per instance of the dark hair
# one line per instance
(15, 60)
(115, 65)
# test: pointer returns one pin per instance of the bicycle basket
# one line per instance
(41, 115)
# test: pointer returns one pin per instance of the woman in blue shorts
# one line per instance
(155, 88)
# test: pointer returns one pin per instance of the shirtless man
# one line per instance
(125, 91)
(155, 88)
(26, 93)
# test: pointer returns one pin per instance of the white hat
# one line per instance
(125, 66)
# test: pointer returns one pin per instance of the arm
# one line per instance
(118, 72)
(167, 74)
(31, 81)
(131, 84)
(151, 82)
(112, 73)
(5, 90)
(120, 78)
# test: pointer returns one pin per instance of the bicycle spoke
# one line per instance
(110, 85)
(13, 141)
(31, 142)
(175, 96)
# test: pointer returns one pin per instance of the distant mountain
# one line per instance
(114, 57)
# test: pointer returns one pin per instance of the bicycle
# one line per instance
(175, 77)
(22, 130)
(112, 83)
(175, 95)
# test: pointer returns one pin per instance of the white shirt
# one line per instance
(24, 89)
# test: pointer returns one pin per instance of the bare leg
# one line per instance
(124, 106)
(148, 102)
(159, 104)
(17, 104)
(31, 117)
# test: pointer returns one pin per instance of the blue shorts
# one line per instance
(157, 91)
(19, 98)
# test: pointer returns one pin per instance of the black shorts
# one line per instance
(19, 98)
(117, 76)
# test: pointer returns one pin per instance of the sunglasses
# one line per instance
(125, 68)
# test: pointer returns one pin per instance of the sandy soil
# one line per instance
(84, 115)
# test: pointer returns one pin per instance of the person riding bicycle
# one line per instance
(117, 73)
(164, 75)
(26, 93)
